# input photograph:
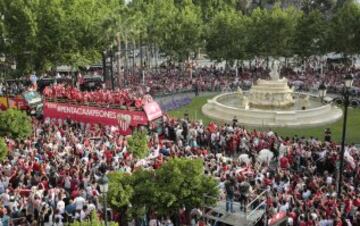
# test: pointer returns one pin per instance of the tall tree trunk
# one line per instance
(141, 58)
(74, 77)
(112, 70)
(126, 61)
(237, 69)
(150, 52)
(188, 216)
(156, 57)
(123, 217)
(190, 68)
(120, 76)
(133, 66)
(104, 67)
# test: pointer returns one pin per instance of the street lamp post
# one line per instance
(348, 84)
(104, 187)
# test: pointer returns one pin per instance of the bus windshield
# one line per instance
(32, 96)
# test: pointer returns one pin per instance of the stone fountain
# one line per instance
(272, 103)
(274, 93)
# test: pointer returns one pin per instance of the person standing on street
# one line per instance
(229, 188)
(244, 193)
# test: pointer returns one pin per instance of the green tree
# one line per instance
(144, 192)
(324, 6)
(132, 195)
(210, 8)
(93, 221)
(40, 34)
(138, 144)
(182, 183)
(120, 193)
(15, 123)
(3, 149)
(20, 30)
(160, 20)
(2, 33)
(178, 183)
(181, 34)
(311, 35)
(271, 31)
(227, 36)
(345, 29)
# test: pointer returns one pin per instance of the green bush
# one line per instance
(138, 144)
(15, 124)
(93, 221)
(3, 149)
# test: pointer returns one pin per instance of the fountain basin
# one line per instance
(226, 106)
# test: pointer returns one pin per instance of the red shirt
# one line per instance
(348, 205)
(75, 194)
(339, 223)
(108, 155)
(306, 223)
(357, 202)
(292, 215)
(284, 162)
(36, 167)
(267, 181)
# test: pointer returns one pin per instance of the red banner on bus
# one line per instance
(96, 115)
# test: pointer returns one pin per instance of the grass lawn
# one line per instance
(353, 128)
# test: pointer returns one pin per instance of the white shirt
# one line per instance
(79, 202)
(153, 222)
(80, 216)
(326, 222)
(61, 206)
(329, 180)
(33, 78)
(5, 198)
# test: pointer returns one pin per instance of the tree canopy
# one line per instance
(40, 34)
(311, 34)
(3, 149)
(178, 183)
(15, 124)
(138, 144)
(345, 28)
(226, 36)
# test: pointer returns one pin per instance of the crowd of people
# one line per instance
(126, 97)
(51, 178)
(169, 81)
(173, 80)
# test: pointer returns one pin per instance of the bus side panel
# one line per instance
(4, 103)
(18, 103)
